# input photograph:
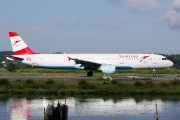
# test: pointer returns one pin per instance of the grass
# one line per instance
(88, 87)
(4, 82)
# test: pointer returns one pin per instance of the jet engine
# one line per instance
(108, 69)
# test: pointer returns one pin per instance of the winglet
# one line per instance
(18, 45)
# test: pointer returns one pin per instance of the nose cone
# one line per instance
(170, 63)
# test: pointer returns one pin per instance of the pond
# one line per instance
(96, 108)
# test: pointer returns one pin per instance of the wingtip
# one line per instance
(12, 34)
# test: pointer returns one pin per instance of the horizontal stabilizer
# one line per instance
(13, 58)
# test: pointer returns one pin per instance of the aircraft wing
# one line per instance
(87, 64)
(13, 58)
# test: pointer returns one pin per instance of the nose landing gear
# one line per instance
(154, 72)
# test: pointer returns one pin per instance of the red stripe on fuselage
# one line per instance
(12, 34)
(24, 51)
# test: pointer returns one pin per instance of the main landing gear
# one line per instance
(154, 72)
(90, 73)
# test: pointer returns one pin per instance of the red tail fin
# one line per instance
(18, 45)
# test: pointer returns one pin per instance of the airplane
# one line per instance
(106, 63)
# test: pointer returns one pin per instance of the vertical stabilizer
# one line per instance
(18, 45)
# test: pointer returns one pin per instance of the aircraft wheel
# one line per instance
(154, 74)
(90, 73)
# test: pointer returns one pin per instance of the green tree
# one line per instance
(11, 67)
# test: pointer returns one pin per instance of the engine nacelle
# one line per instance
(108, 69)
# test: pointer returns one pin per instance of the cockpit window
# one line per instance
(164, 58)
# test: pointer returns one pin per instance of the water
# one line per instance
(93, 108)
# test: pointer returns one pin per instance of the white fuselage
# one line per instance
(120, 61)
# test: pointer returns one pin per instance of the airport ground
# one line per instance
(74, 82)
(49, 72)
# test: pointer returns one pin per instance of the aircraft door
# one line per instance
(121, 60)
(34, 61)
(155, 60)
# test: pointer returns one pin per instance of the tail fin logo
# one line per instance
(15, 42)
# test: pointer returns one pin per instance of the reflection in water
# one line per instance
(22, 109)
(91, 108)
(98, 107)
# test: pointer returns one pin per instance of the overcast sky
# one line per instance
(93, 26)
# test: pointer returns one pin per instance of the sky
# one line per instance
(93, 26)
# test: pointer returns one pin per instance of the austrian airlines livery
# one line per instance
(107, 63)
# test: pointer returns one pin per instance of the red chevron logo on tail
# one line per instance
(15, 42)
